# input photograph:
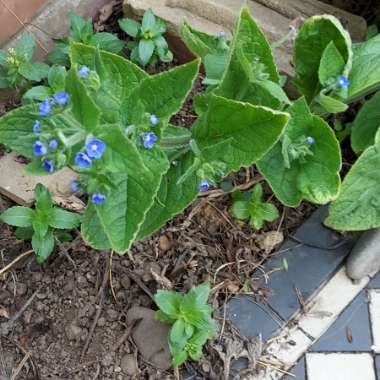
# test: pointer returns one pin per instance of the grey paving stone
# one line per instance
(299, 371)
(252, 319)
(377, 365)
(308, 266)
(355, 318)
(375, 283)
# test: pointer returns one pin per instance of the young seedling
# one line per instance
(149, 44)
(40, 223)
(16, 67)
(83, 31)
(251, 206)
(190, 317)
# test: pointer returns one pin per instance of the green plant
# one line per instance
(16, 67)
(40, 223)
(250, 206)
(149, 44)
(191, 321)
(83, 31)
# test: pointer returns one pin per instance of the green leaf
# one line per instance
(59, 56)
(169, 302)
(135, 179)
(227, 131)
(18, 216)
(240, 210)
(108, 42)
(312, 40)
(83, 107)
(119, 78)
(34, 71)
(331, 104)
(162, 317)
(131, 27)
(365, 74)
(358, 205)
(162, 94)
(249, 49)
(201, 293)
(146, 49)
(372, 31)
(63, 219)
(80, 29)
(3, 58)
(148, 21)
(44, 201)
(25, 47)
(43, 246)
(172, 198)
(57, 78)
(179, 358)
(260, 211)
(38, 93)
(41, 224)
(178, 335)
(199, 43)
(24, 233)
(215, 65)
(366, 124)
(332, 64)
(317, 178)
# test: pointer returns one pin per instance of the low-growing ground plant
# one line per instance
(16, 67)
(40, 224)
(83, 31)
(149, 43)
(191, 321)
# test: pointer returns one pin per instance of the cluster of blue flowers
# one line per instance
(150, 138)
(93, 150)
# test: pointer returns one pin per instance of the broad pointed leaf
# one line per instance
(317, 179)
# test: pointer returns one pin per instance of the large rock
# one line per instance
(150, 337)
(364, 258)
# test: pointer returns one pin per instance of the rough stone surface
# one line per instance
(212, 16)
(150, 337)
(306, 8)
(128, 365)
(19, 186)
(365, 256)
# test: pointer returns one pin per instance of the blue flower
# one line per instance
(95, 148)
(309, 140)
(84, 72)
(75, 186)
(45, 107)
(53, 144)
(204, 186)
(61, 98)
(220, 35)
(149, 140)
(82, 160)
(343, 82)
(39, 149)
(37, 127)
(48, 165)
(154, 120)
(98, 198)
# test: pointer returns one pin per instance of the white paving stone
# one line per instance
(340, 366)
(329, 303)
(374, 308)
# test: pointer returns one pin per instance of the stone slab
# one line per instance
(212, 16)
(308, 267)
(329, 303)
(340, 366)
(354, 321)
(19, 186)
(377, 365)
(374, 309)
(252, 319)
